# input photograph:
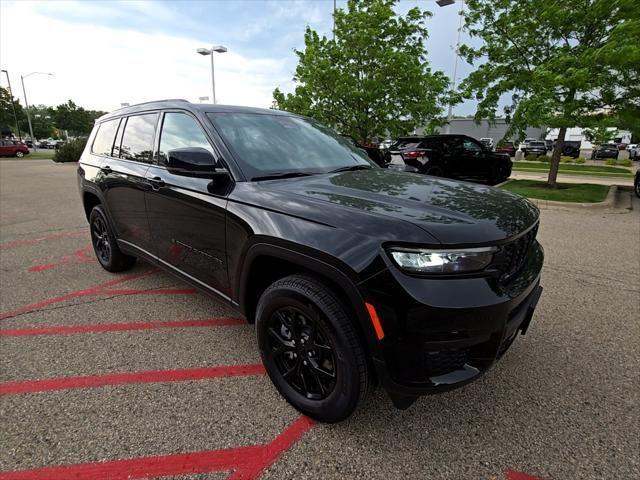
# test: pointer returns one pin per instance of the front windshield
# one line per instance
(279, 144)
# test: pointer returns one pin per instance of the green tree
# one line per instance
(568, 63)
(42, 121)
(7, 118)
(74, 119)
(373, 79)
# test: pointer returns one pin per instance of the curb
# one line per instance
(555, 205)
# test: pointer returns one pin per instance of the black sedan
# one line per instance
(608, 150)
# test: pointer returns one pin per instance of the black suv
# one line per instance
(353, 274)
(453, 156)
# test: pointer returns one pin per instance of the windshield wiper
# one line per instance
(277, 175)
(351, 168)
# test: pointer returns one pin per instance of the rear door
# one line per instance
(474, 161)
(124, 183)
(187, 219)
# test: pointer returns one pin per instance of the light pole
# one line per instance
(26, 104)
(444, 3)
(13, 105)
(210, 51)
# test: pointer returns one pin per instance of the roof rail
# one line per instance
(157, 101)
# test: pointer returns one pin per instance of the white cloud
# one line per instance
(100, 67)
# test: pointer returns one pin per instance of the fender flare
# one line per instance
(324, 269)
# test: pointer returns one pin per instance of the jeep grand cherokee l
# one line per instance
(353, 274)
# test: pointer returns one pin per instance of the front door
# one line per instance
(187, 221)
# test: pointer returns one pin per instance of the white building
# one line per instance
(577, 134)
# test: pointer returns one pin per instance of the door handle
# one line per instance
(106, 169)
(156, 182)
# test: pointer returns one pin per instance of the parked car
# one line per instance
(350, 272)
(634, 151)
(372, 151)
(13, 148)
(487, 142)
(45, 144)
(506, 147)
(571, 148)
(453, 156)
(607, 150)
(536, 148)
(385, 144)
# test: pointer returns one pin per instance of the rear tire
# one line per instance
(104, 243)
(435, 172)
(310, 348)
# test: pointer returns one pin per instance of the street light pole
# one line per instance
(444, 3)
(207, 51)
(13, 105)
(26, 104)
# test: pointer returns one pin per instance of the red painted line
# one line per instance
(96, 290)
(513, 475)
(155, 291)
(118, 327)
(150, 376)
(246, 462)
(32, 241)
(81, 255)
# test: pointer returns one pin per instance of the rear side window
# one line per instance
(103, 142)
(137, 140)
(179, 130)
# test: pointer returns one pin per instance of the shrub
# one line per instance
(71, 151)
(544, 158)
(531, 158)
(626, 162)
(581, 160)
(565, 159)
(610, 161)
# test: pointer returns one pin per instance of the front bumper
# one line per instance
(441, 334)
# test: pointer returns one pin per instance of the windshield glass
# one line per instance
(275, 144)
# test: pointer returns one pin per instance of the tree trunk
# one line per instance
(555, 157)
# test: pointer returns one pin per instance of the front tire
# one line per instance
(310, 348)
(19, 154)
(105, 245)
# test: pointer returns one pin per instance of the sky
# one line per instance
(106, 53)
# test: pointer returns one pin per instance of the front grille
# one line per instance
(444, 361)
(513, 254)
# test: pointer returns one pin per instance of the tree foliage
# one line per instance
(568, 63)
(373, 79)
(7, 120)
(76, 120)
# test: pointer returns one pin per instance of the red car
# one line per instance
(13, 148)
(508, 148)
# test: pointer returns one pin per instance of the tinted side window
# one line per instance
(137, 140)
(179, 130)
(104, 138)
(471, 146)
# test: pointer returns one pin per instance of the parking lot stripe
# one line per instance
(96, 290)
(150, 376)
(32, 241)
(246, 462)
(117, 327)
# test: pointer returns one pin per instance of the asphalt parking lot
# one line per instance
(137, 375)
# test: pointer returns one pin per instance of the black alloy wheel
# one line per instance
(302, 353)
(100, 240)
(311, 349)
(105, 245)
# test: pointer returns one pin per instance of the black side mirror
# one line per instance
(192, 162)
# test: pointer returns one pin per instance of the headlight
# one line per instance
(418, 260)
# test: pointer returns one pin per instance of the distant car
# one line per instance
(452, 156)
(28, 143)
(608, 150)
(385, 144)
(506, 147)
(487, 142)
(535, 147)
(571, 148)
(373, 152)
(13, 148)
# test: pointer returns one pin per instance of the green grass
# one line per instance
(596, 170)
(564, 192)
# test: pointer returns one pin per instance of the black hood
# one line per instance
(453, 212)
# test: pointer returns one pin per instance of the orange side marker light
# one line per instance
(373, 315)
